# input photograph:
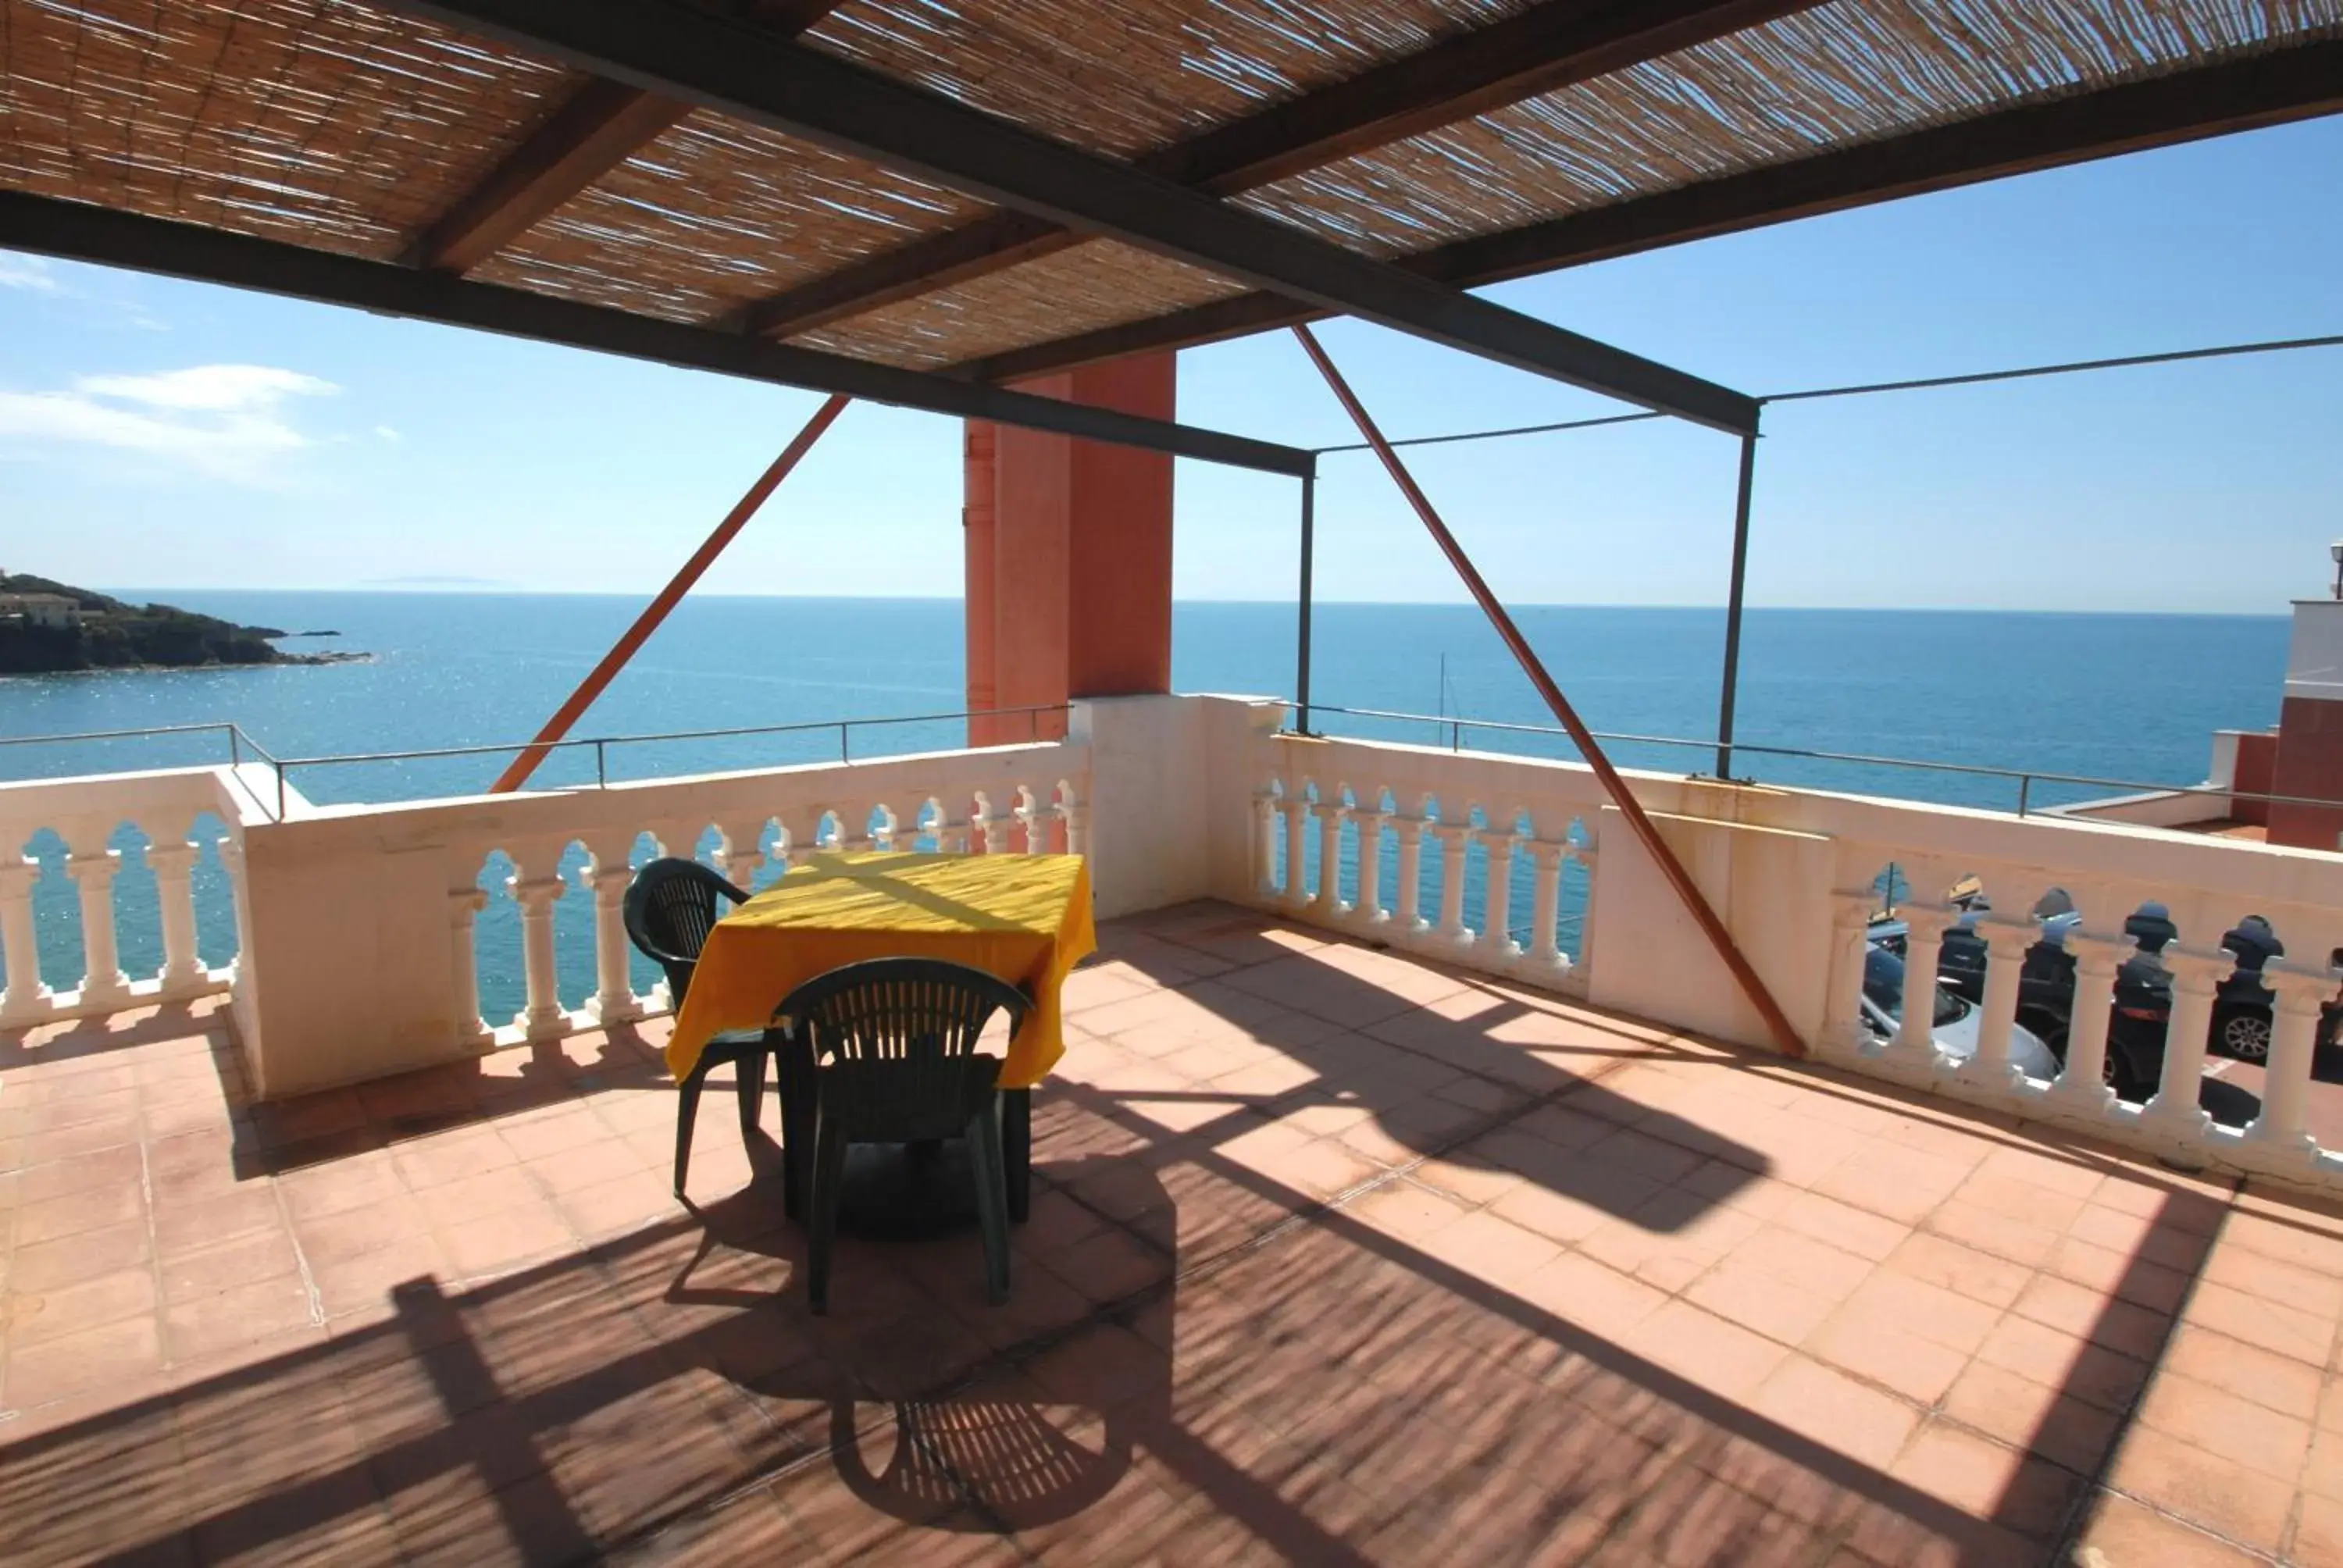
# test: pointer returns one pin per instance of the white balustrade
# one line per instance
(1497, 921)
(2083, 1088)
(1297, 840)
(2281, 1132)
(614, 1000)
(1454, 839)
(1406, 914)
(2196, 976)
(173, 865)
(103, 983)
(1369, 909)
(542, 1018)
(1913, 1047)
(1328, 905)
(1545, 901)
(2007, 942)
(464, 907)
(27, 1000)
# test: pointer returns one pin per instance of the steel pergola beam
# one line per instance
(1541, 50)
(2294, 84)
(44, 225)
(601, 125)
(674, 49)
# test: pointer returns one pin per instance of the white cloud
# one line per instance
(222, 420)
(30, 272)
(389, 434)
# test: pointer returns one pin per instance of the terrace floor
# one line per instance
(1334, 1258)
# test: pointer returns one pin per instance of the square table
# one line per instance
(1023, 918)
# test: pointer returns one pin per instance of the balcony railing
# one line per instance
(357, 934)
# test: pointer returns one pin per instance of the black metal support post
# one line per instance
(1732, 609)
(1302, 653)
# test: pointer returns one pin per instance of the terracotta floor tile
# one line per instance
(2028, 1243)
(77, 1211)
(251, 1207)
(1980, 1276)
(2266, 1325)
(1800, 1259)
(1584, 1292)
(1836, 1412)
(2238, 1429)
(2310, 1290)
(118, 1352)
(236, 1316)
(505, 1238)
(241, 1260)
(1888, 1353)
(1722, 1357)
(2318, 1531)
(2279, 1382)
(2094, 1314)
(106, 1168)
(1844, 1226)
(1490, 1248)
(1404, 1210)
(2203, 1488)
(36, 1319)
(2122, 1531)
(1939, 1315)
(2032, 1416)
(359, 1285)
(51, 1265)
(1756, 1299)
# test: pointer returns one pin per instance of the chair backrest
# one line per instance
(671, 906)
(894, 1041)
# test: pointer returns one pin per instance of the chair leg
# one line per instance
(750, 1070)
(992, 1199)
(1017, 1151)
(797, 1083)
(828, 1191)
(687, 1111)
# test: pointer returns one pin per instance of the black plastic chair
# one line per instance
(891, 1047)
(671, 906)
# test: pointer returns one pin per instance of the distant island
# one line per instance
(48, 628)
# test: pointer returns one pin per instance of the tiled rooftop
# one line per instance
(1334, 1258)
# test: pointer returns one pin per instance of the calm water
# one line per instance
(2130, 698)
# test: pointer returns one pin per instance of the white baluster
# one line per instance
(2175, 1110)
(104, 984)
(2282, 1129)
(1406, 907)
(2083, 1086)
(1264, 834)
(1545, 902)
(175, 888)
(1077, 818)
(2006, 944)
(1582, 963)
(1497, 912)
(542, 1018)
(1328, 905)
(26, 1001)
(614, 988)
(1369, 909)
(1915, 1045)
(1844, 1034)
(743, 852)
(1453, 837)
(993, 831)
(1033, 818)
(1296, 806)
(800, 835)
(463, 906)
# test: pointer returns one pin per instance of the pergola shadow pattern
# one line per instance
(1335, 1257)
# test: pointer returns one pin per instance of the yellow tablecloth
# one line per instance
(1024, 917)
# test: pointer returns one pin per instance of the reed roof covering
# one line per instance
(347, 129)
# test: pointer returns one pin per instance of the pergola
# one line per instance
(921, 203)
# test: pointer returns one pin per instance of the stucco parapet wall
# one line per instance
(902, 783)
(2062, 850)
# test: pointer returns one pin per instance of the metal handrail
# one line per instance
(1456, 724)
(238, 741)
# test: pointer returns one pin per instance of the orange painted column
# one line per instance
(1070, 566)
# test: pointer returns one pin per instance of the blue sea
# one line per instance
(2127, 699)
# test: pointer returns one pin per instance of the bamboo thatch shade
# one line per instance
(329, 123)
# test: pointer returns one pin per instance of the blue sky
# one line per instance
(171, 435)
